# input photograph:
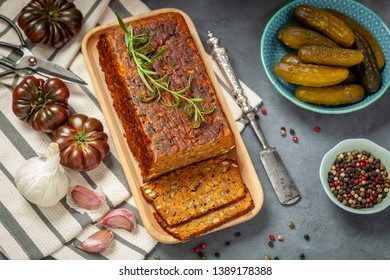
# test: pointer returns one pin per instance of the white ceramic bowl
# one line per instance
(346, 146)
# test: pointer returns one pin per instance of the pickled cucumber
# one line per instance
(357, 27)
(368, 69)
(310, 74)
(290, 57)
(353, 77)
(330, 56)
(332, 95)
(296, 36)
(325, 23)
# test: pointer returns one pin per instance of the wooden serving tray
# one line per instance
(130, 164)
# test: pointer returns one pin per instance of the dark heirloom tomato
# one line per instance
(83, 143)
(52, 22)
(42, 104)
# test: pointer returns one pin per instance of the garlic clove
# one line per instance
(120, 218)
(97, 242)
(87, 198)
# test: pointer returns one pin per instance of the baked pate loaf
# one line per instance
(161, 138)
(191, 191)
(194, 228)
(198, 198)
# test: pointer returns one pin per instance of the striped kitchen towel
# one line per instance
(31, 232)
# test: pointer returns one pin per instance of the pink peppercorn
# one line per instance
(317, 129)
(295, 139)
(271, 237)
(264, 111)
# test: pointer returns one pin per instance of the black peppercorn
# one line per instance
(217, 254)
(270, 244)
(307, 237)
(302, 256)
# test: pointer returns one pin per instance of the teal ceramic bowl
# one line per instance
(346, 146)
(272, 50)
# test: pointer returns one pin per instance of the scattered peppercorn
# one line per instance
(280, 238)
(196, 249)
(317, 129)
(302, 256)
(270, 243)
(156, 258)
(266, 257)
(358, 179)
(271, 237)
(217, 254)
(292, 131)
(295, 139)
(283, 131)
(237, 234)
(276, 258)
(203, 258)
(291, 224)
(203, 246)
(264, 111)
(307, 237)
(200, 254)
(227, 243)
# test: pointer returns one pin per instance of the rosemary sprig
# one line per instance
(144, 54)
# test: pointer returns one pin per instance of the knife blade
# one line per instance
(281, 181)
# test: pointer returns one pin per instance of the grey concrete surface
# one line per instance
(334, 234)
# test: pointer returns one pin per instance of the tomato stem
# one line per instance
(40, 101)
(83, 138)
(52, 14)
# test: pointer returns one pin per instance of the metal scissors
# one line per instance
(30, 62)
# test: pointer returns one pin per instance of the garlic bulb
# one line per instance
(42, 180)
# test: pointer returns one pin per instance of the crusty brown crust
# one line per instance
(191, 191)
(161, 139)
(203, 224)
